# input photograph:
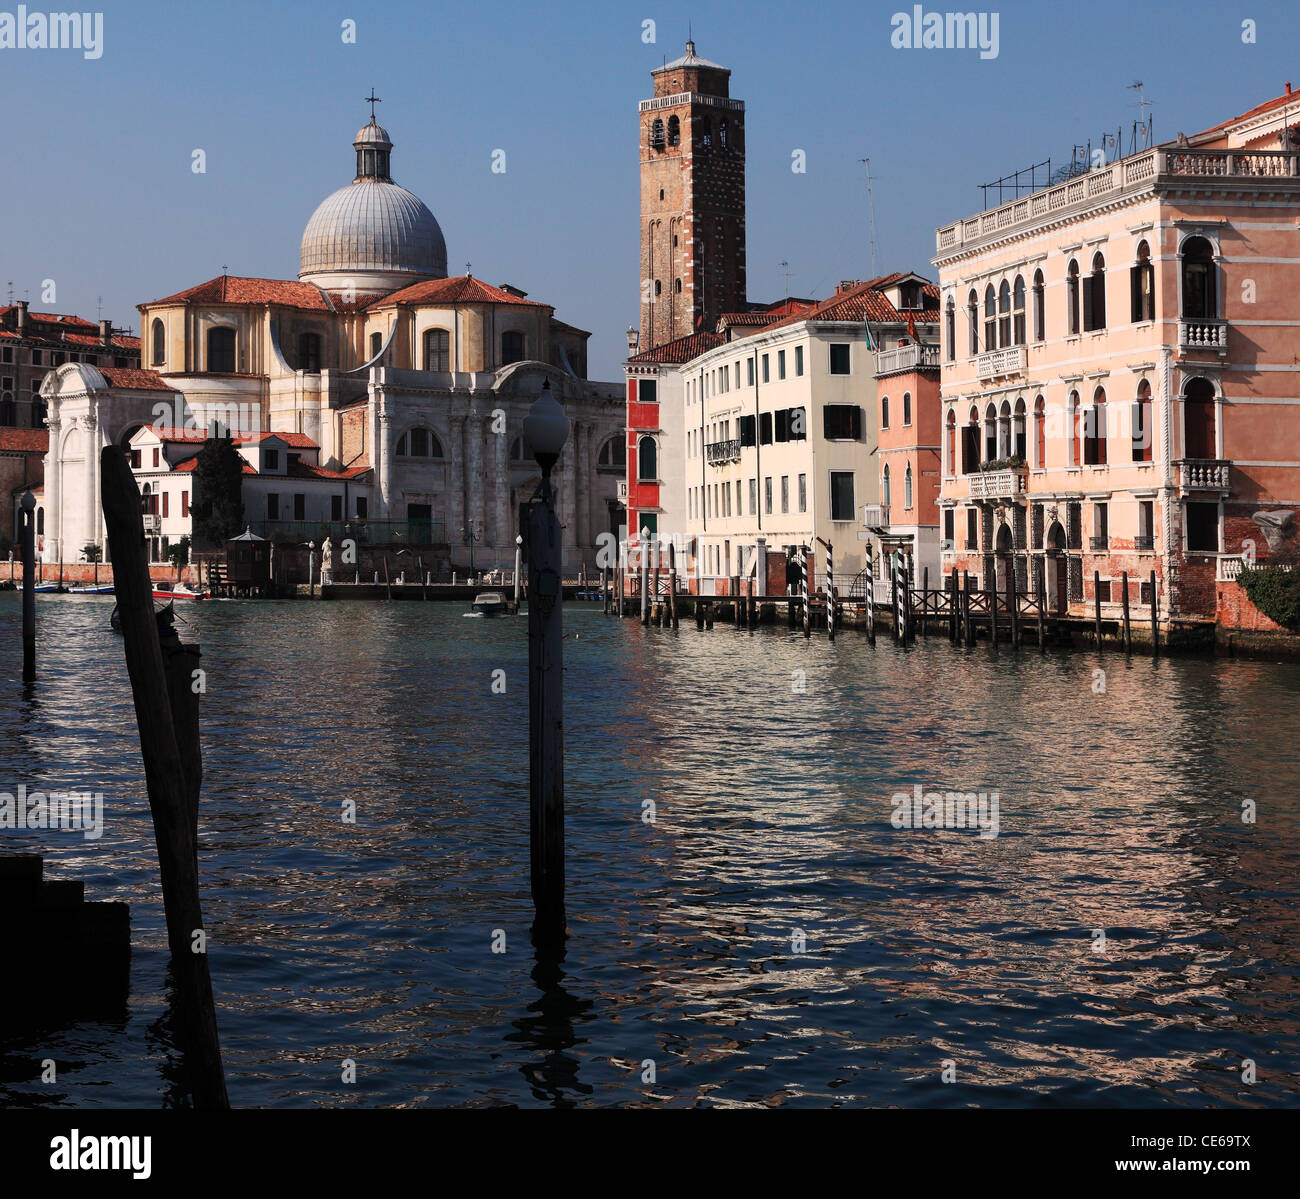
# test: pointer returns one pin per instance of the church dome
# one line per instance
(372, 234)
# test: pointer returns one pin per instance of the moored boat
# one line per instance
(490, 603)
(96, 589)
(180, 591)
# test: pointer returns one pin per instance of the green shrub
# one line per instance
(1003, 463)
(1275, 591)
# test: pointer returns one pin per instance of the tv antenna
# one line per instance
(785, 270)
(1144, 129)
(871, 215)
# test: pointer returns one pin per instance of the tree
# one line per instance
(92, 552)
(179, 554)
(218, 508)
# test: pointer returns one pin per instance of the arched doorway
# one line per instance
(1004, 547)
(1054, 569)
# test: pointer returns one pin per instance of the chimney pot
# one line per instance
(106, 332)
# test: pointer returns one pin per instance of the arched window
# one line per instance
(8, 413)
(1004, 314)
(40, 522)
(674, 131)
(419, 443)
(677, 286)
(1018, 322)
(658, 287)
(722, 133)
(950, 329)
(1040, 432)
(657, 134)
(159, 343)
(309, 351)
(704, 131)
(437, 350)
(1142, 284)
(972, 320)
(39, 411)
(1094, 448)
(512, 345)
(1143, 430)
(990, 319)
(613, 454)
(1019, 446)
(1004, 430)
(951, 442)
(1094, 296)
(990, 433)
(647, 460)
(221, 350)
(1200, 439)
(907, 408)
(884, 486)
(1200, 280)
(970, 448)
(1072, 296)
(884, 412)
(907, 487)
(376, 344)
(1075, 418)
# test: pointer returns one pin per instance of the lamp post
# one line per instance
(545, 430)
(311, 568)
(470, 538)
(28, 538)
(519, 553)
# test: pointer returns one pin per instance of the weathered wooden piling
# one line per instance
(804, 590)
(925, 601)
(1155, 618)
(992, 593)
(672, 584)
(645, 578)
(27, 506)
(952, 610)
(166, 776)
(1096, 605)
(1041, 580)
(1013, 604)
(1128, 637)
(965, 605)
(831, 611)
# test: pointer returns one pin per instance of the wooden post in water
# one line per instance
(952, 610)
(27, 506)
(645, 578)
(871, 597)
(965, 604)
(388, 586)
(992, 593)
(1013, 603)
(1128, 639)
(1096, 605)
(831, 612)
(170, 775)
(424, 579)
(804, 589)
(1155, 619)
(672, 584)
(909, 615)
(519, 568)
(925, 600)
(893, 598)
(1040, 577)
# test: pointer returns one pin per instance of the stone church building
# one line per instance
(411, 385)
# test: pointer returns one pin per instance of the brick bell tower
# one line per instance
(692, 200)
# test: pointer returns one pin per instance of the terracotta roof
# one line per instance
(295, 439)
(54, 318)
(305, 470)
(174, 435)
(132, 378)
(681, 350)
(460, 289)
(25, 441)
(748, 318)
(238, 289)
(565, 328)
(190, 463)
(1287, 97)
(867, 302)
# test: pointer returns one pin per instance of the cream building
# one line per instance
(413, 384)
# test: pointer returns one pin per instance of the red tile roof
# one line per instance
(190, 463)
(867, 302)
(132, 378)
(174, 435)
(1287, 97)
(305, 470)
(25, 441)
(681, 350)
(460, 289)
(54, 318)
(238, 289)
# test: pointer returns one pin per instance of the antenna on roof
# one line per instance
(871, 216)
(1144, 125)
(785, 270)
(11, 291)
(99, 308)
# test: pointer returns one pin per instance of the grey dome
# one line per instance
(373, 224)
(372, 133)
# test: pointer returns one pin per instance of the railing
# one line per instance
(1098, 544)
(1203, 474)
(906, 358)
(876, 516)
(1228, 569)
(1144, 545)
(1131, 173)
(364, 532)
(1202, 335)
(997, 484)
(718, 452)
(152, 522)
(1000, 362)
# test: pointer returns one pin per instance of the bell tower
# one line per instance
(692, 153)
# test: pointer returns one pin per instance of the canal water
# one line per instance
(748, 926)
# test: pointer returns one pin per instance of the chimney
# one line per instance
(1288, 87)
(106, 333)
(22, 316)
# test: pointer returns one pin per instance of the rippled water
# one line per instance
(1120, 810)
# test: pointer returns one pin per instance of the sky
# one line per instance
(99, 195)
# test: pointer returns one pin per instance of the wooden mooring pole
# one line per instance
(1155, 619)
(1128, 638)
(965, 607)
(1096, 605)
(992, 593)
(952, 610)
(1040, 577)
(804, 590)
(672, 584)
(172, 774)
(1013, 603)
(925, 601)
(27, 507)
(645, 578)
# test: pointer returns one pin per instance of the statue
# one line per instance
(326, 561)
(1275, 525)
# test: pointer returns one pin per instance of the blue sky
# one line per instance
(98, 192)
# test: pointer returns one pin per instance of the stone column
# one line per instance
(90, 423)
(502, 535)
(582, 487)
(475, 488)
(383, 458)
(455, 514)
(53, 479)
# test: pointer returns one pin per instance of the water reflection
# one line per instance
(770, 939)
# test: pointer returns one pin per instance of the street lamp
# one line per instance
(545, 430)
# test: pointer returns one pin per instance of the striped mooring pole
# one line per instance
(804, 551)
(830, 593)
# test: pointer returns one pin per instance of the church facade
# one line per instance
(408, 389)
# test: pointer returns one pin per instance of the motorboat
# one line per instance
(490, 603)
(95, 589)
(180, 591)
(46, 588)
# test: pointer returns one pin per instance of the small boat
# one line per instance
(164, 614)
(490, 603)
(180, 591)
(96, 589)
(48, 587)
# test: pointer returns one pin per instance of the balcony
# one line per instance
(906, 358)
(1098, 545)
(1203, 334)
(718, 453)
(876, 516)
(1009, 361)
(152, 522)
(1144, 543)
(997, 484)
(1203, 474)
